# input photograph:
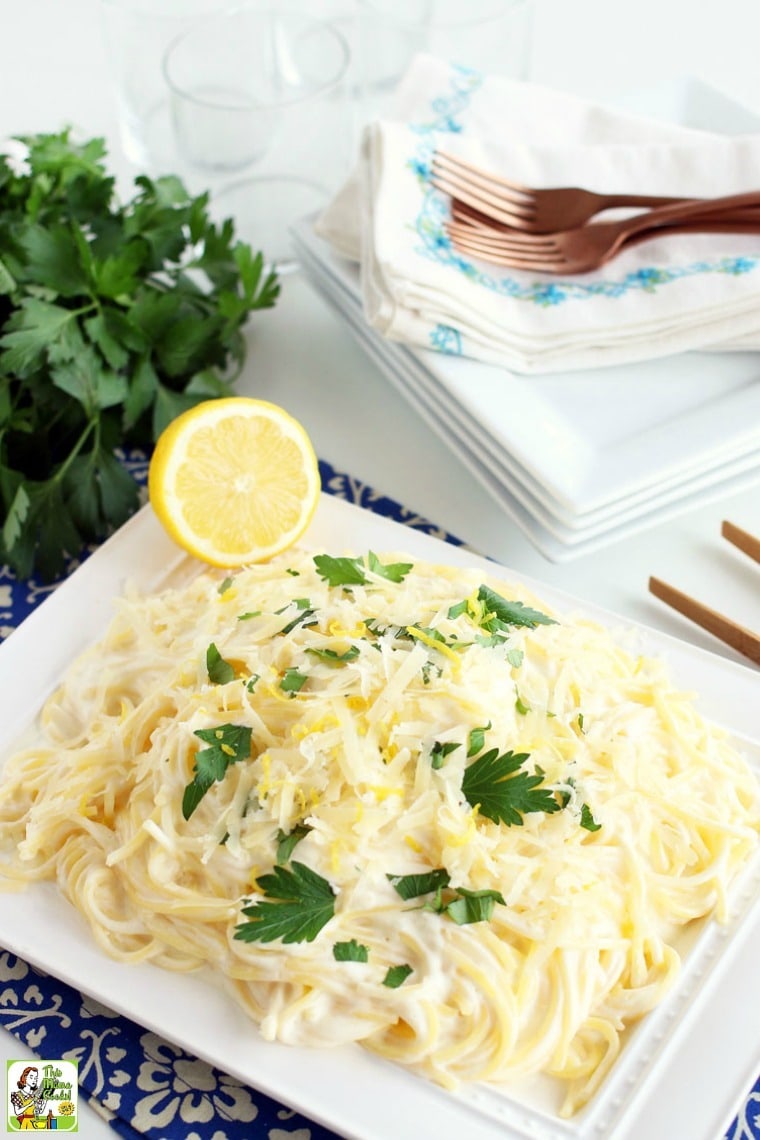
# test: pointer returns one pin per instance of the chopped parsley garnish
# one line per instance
(303, 617)
(251, 682)
(293, 681)
(228, 744)
(248, 615)
(587, 819)
(412, 886)
(221, 672)
(587, 816)
(476, 739)
(440, 751)
(521, 706)
(461, 905)
(431, 636)
(428, 670)
(332, 656)
(352, 951)
(396, 976)
(305, 903)
(467, 906)
(503, 792)
(288, 840)
(224, 585)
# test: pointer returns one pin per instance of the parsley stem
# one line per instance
(93, 423)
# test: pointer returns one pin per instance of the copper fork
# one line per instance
(523, 208)
(588, 247)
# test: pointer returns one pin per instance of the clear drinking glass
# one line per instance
(491, 36)
(137, 34)
(259, 108)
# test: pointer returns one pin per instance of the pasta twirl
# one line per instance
(394, 803)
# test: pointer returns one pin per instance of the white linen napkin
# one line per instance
(663, 296)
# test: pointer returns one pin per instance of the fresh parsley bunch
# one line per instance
(114, 317)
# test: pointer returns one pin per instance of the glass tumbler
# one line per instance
(259, 109)
(491, 36)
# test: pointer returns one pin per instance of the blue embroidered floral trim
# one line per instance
(447, 339)
(436, 246)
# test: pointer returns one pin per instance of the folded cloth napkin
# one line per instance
(664, 296)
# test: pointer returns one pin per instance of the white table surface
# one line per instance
(54, 71)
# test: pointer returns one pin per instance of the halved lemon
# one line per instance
(234, 480)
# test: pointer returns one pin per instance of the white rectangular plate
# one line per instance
(558, 535)
(683, 1071)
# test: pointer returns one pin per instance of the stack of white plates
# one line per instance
(581, 459)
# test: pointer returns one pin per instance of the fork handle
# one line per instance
(612, 201)
(740, 222)
(685, 211)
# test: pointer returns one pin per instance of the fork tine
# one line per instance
(466, 170)
(546, 263)
(476, 219)
(511, 216)
(481, 189)
(527, 243)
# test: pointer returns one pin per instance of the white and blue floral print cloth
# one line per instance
(673, 294)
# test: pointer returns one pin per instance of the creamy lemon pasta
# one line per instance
(388, 802)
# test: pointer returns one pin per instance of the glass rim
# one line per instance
(264, 107)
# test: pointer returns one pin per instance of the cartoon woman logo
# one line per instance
(28, 1102)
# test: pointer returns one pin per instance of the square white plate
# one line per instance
(555, 533)
(681, 1073)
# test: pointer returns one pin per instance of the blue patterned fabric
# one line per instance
(143, 1085)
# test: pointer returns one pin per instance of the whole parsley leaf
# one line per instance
(392, 571)
(340, 571)
(116, 314)
(503, 791)
(228, 744)
(499, 612)
(306, 903)
(353, 571)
